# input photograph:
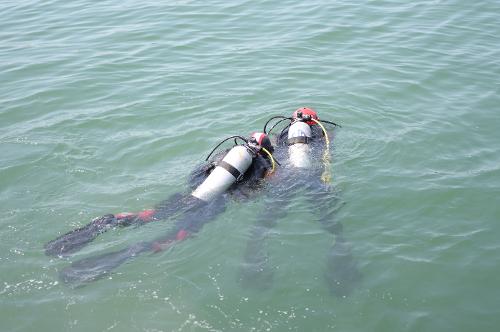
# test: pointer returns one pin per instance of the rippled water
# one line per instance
(107, 106)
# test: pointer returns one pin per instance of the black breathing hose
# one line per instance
(224, 140)
(272, 118)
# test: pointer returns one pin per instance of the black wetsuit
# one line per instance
(190, 214)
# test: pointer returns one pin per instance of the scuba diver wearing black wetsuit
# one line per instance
(237, 171)
(303, 146)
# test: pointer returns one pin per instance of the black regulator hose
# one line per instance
(330, 122)
(284, 130)
(283, 118)
(224, 140)
(277, 123)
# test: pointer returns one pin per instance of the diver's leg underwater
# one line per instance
(237, 167)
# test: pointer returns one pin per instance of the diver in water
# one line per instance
(234, 172)
(251, 163)
(303, 146)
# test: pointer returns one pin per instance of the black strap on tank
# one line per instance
(231, 169)
(299, 139)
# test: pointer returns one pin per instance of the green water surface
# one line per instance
(107, 106)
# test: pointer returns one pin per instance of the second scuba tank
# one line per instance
(299, 135)
(228, 171)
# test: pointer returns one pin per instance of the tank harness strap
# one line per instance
(231, 169)
(299, 139)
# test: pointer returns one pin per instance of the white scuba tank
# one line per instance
(299, 135)
(235, 164)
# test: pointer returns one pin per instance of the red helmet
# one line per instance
(306, 111)
(264, 141)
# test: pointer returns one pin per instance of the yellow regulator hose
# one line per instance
(326, 177)
(271, 158)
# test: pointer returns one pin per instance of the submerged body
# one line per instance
(303, 149)
(76, 239)
(192, 210)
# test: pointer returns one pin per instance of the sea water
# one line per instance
(107, 106)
